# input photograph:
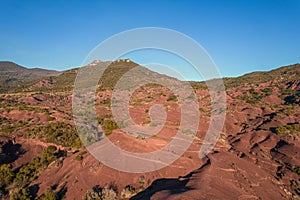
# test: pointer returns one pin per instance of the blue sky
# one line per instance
(240, 36)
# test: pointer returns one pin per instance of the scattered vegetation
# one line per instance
(113, 73)
(107, 193)
(172, 97)
(57, 132)
(6, 175)
(295, 185)
(105, 102)
(253, 96)
(79, 157)
(20, 194)
(17, 181)
(296, 170)
(107, 124)
(284, 73)
(50, 194)
(289, 129)
(7, 127)
(128, 192)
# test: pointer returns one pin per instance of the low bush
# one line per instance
(18, 181)
(289, 129)
(172, 97)
(57, 132)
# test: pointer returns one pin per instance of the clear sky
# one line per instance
(241, 36)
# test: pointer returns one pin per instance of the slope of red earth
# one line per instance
(251, 160)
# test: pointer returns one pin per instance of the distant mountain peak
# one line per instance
(12, 74)
(10, 66)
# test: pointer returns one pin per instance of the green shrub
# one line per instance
(79, 157)
(57, 132)
(20, 194)
(95, 193)
(128, 192)
(290, 129)
(107, 193)
(107, 124)
(48, 195)
(105, 102)
(267, 91)
(49, 155)
(172, 97)
(296, 170)
(6, 175)
(27, 173)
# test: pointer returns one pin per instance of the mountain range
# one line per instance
(255, 157)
